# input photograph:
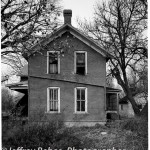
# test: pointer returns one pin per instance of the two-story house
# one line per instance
(69, 82)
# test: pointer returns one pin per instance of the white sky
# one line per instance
(80, 8)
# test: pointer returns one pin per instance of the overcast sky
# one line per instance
(80, 8)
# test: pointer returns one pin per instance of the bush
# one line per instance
(135, 133)
(42, 135)
(126, 134)
(136, 125)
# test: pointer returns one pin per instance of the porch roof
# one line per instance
(112, 90)
(19, 86)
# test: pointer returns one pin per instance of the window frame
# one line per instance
(110, 103)
(58, 57)
(75, 61)
(48, 100)
(75, 100)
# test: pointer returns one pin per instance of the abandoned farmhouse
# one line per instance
(66, 76)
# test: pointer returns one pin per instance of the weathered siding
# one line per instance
(38, 101)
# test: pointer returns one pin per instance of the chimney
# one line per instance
(67, 16)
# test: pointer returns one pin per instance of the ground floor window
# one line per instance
(53, 99)
(80, 100)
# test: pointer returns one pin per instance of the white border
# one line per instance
(75, 56)
(57, 58)
(48, 99)
(86, 100)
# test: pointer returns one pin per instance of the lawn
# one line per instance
(127, 134)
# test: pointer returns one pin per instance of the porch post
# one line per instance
(117, 104)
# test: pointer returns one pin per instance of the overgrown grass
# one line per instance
(42, 135)
(136, 133)
(127, 134)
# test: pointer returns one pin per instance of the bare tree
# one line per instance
(24, 23)
(119, 28)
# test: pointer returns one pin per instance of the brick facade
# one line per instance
(67, 80)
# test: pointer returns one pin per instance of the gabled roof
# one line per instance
(76, 33)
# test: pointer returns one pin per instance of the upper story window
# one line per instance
(81, 62)
(53, 62)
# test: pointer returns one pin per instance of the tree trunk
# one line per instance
(144, 112)
(134, 105)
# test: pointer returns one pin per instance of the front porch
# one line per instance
(22, 104)
(112, 104)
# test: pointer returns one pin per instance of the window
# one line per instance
(53, 62)
(81, 62)
(53, 99)
(81, 99)
(111, 101)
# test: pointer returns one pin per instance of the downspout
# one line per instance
(105, 103)
(118, 106)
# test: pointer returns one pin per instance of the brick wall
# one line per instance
(67, 80)
(96, 65)
(38, 100)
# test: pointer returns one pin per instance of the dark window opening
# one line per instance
(112, 102)
(53, 63)
(112, 116)
(140, 106)
(23, 78)
(80, 63)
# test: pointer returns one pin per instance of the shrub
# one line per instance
(42, 135)
(135, 133)
(136, 125)
(128, 133)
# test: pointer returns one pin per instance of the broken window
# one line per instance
(53, 63)
(81, 63)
